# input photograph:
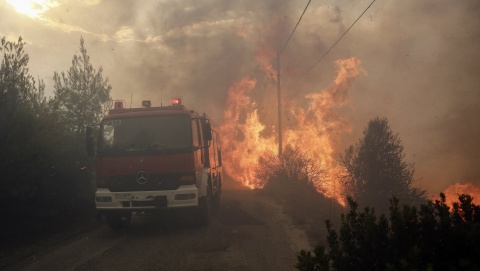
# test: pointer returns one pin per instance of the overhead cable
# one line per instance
(284, 46)
(331, 47)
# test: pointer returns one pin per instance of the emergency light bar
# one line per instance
(118, 105)
(146, 104)
(176, 101)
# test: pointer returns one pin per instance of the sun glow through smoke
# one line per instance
(32, 8)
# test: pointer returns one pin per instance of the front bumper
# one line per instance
(183, 197)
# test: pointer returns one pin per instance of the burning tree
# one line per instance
(376, 169)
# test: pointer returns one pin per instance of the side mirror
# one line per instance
(89, 141)
(207, 129)
(219, 157)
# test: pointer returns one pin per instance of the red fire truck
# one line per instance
(154, 158)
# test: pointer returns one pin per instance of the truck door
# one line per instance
(197, 143)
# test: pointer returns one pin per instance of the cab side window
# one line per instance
(195, 134)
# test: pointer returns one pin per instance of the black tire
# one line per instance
(118, 220)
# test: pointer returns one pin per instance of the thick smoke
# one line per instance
(421, 60)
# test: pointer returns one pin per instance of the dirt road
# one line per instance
(248, 232)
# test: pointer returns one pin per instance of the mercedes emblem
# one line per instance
(142, 177)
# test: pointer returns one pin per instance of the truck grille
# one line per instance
(154, 183)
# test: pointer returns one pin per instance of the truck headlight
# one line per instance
(104, 199)
(184, 196)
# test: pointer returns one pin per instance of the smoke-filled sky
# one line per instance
(421, 60)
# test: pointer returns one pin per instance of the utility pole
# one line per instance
(279, 100)
(278, 84)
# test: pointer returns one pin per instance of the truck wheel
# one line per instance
(118, 220)
(202, 213)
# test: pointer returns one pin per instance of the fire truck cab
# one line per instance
(154, 158)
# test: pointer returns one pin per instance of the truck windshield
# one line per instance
(145, 133)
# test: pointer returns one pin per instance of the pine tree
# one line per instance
(376, 169)
(81, 94)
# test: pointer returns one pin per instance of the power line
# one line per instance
(283, 48)
(279, 101)
(331, 47)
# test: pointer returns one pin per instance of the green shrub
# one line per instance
(46, 174)
(429, 238)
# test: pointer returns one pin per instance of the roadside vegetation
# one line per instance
(46, 175)
(47, 180)
(398, 228)
(376, 169)
(290, 179)
(429, 237)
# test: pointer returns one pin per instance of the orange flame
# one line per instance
(315, 130)
(319, 126)
(454, 190)
(264, 58)
(242, 142)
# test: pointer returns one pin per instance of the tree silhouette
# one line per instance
(17, 86)
(43, 171)
(21, 103)
(376, 169)
(81, 94)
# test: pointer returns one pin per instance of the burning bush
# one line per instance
(429, 238)
(293, 179)
(292, 169)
